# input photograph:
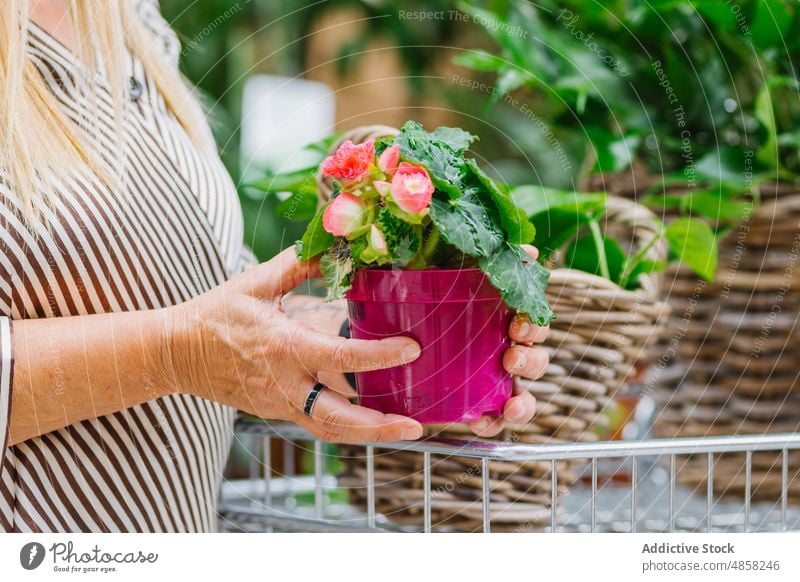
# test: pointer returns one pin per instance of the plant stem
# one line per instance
(594, 227)
(430, 245)
(425, 253)
(637, 258)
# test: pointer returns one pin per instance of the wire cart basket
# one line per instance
(650, 501)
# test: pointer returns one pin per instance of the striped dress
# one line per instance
(176, 233)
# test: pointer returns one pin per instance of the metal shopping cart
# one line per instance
(652, 501)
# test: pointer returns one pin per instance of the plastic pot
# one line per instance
(461, 323)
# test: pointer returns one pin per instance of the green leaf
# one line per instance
(479, 60)
(764, 112)
(402, 239)
(694, 243)
(557, 215)
(715, 206)
(661, 202)
(510, 79)
(300, 206)
(337, 271)
(718, 13)
(512, 31)
(324, 145)
(357, 250)
(613, 153)
(514, 220)
(771, 24)
(315, 240)
(303, 181)
(367, 254)
(583, 255)
(466, 224)
(521, 281)
(454, 137)
(555, 228)
(644, 267)
(299, 180)
(445, 164)
(535, 199)
(726, 166)
(789, 139)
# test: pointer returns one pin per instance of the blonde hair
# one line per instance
(40, 145)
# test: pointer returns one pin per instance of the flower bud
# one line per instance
(344, 215)
(383, 188)
(389, 159)
(377, 241)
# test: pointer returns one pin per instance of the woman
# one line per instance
(139, 323)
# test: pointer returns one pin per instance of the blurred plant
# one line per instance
(225, 41)
(208, 31)
(413, 38)
(673, 83)
(778, 110)
(279, 205)
(295, 192)
(571, 222)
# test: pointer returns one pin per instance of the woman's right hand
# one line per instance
(236, 346)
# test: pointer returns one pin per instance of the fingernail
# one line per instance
(524, 329)
(411, 434)
(410, 352)
(520, 363)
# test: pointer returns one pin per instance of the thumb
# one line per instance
(277, 276)
(316, 350)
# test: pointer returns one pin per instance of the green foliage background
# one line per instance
(554, 68)
(225, 41)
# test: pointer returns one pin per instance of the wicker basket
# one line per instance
(735, 366)
(600, 332)
(591, 357)
(707, 381)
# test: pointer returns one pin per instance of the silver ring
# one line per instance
(308, 407)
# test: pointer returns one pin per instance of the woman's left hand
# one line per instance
(522, 359)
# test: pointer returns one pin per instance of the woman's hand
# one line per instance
(327, 317)
(235, 345)
(522, 359)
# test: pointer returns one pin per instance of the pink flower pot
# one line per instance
(461, 323)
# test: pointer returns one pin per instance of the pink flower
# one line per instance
(376, 240)
(350, 162)
(388, 160)
(344, 215)
(383, 188)
(412, 188)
